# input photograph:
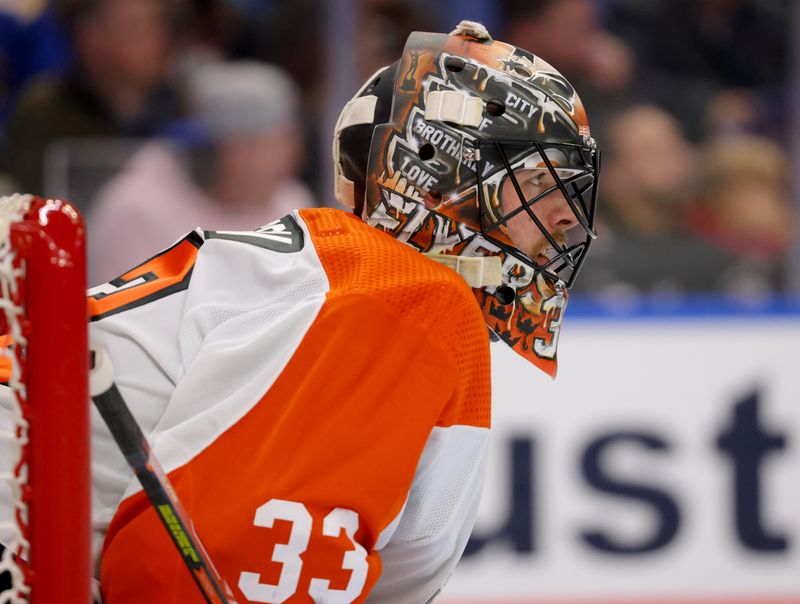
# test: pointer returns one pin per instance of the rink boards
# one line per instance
(662, 466)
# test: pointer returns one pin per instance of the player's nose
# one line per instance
(560, 216)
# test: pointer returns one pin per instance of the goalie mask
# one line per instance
(478, 154)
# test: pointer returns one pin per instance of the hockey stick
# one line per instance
(156, 485)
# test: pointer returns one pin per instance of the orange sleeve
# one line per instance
(343, 426)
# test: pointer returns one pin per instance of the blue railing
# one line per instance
(582, 306)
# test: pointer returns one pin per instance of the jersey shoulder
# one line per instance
(358, 258)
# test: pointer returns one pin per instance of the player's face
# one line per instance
(552, 211)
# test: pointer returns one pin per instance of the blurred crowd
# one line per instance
(156, 116)
(689, 101)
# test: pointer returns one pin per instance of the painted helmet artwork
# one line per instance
(478, 154)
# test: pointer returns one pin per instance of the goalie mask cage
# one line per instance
(45, 502)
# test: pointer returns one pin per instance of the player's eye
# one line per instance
(536, 179)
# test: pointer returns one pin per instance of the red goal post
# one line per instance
(44, 434)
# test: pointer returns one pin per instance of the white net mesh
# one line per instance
(14, 427)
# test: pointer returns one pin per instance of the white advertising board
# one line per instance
(662, 466)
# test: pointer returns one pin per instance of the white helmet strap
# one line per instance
(477, 271)
(454, 106)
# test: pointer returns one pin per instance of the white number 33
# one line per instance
(288, 554)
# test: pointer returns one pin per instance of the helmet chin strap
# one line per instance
(477, 271)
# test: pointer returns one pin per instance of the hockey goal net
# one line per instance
(44, 410)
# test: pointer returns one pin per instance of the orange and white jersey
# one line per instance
(319, 395)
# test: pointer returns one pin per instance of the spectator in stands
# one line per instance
(597, 63)
(225, 29)
(31, 44)
(649, 170)
(711, 63)
(116, 86)
(241, 175)
(274, 38)
(744, 208)
(276, 41)
(384, 26)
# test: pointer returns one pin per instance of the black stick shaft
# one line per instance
(156, 485)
